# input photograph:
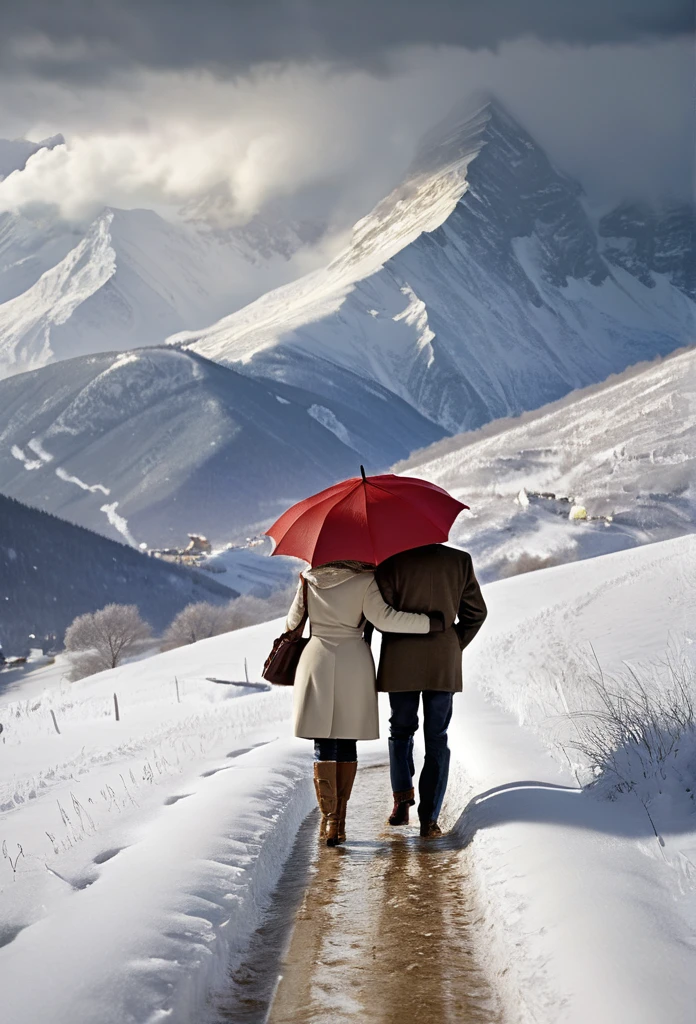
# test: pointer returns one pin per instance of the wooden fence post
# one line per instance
(118, 717)
(55, 723)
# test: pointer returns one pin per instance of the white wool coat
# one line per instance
(335, 693)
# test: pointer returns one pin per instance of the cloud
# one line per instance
(336, 138)
(168, 138)
(86, 39)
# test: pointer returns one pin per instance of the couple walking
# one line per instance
(368, 570)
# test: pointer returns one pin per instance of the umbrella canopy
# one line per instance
(366, 519)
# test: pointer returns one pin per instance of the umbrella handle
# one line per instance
(362, 472)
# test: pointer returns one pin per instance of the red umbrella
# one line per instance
(366, 519)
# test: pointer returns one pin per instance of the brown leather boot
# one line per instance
(322, 824)
(325, 783)
(402, 802)
(345, 777)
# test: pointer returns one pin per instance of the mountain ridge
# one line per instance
(504, 305)
(156, 443)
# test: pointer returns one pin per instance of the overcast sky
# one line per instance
(164, 99)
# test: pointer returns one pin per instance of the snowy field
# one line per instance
(138, 855)
(249, 570)
(623, 449)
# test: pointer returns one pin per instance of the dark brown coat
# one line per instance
(435, 578)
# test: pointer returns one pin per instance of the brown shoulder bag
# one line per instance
(281, 663)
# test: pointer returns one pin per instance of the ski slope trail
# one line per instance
(386, 930)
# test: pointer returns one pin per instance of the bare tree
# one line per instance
(248, 610)
(195, 622)
(101, 639)
(85, 664)
(202, 620)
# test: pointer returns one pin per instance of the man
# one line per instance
(429, 579)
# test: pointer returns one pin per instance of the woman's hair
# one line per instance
(347, 564)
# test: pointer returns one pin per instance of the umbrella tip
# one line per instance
(362, 472)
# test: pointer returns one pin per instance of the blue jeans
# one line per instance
(335, 750)
(403, 724)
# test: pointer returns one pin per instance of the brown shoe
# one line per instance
(430, 830)
(402, 802)
(345, 777)
(327, 798)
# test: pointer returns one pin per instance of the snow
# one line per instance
(39, 450)
(420, 204)
(119, 523)
(589, 916)
(624, 448)
(251, 570)
(159, 868)
(179, 902)
(152, 825)
(438, 310)
(140, 849)
(585, 919)
(63, 474)
(130, 279)
(185, 445)
(17, 453)
(476, 290)
(329, 420)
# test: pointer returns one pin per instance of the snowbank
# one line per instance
(589, 915)
(164, 917)
(139, 852)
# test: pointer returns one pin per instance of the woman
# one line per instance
(335, 689)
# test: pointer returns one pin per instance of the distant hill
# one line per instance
(625, 450)
(156, 443)
(51, 571)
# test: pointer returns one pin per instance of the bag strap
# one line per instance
(299, 628)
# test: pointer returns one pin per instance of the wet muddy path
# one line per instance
(381, 930)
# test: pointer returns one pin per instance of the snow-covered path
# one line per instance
(386, 931)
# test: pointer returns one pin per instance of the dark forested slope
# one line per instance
(51, 571)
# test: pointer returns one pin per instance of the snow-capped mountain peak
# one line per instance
(132, 278)
(433, 185)
(476, 289)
